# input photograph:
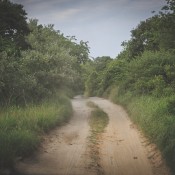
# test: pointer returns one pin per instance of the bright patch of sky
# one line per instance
(104, 23)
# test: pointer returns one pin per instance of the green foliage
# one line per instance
(91, 104)
(21, 128)
(92, 84)
(38, 64)
(141, 78)
(16, 143)
(95, 76)
(153, 34)
(80, 51)
(38, 73)
(98, 122)
(146, 87)
(13, 25)
(114, 73)
(171, 106)
(61, 55)
(151, 73)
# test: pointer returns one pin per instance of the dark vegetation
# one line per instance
(142, 78)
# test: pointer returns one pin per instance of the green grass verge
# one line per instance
(21, 128)
(154, 118)
(98, 122)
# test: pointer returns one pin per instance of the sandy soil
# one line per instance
(122, 150)
(65, 150)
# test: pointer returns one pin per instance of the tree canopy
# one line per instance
(154, 34)
(50, 62)
(14, 26)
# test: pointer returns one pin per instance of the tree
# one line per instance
(79, 50)
(167, 26)
(153, 34)
(13, 28)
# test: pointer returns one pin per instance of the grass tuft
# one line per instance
(91, 104)
(98, 122)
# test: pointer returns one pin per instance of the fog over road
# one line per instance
(122, 149)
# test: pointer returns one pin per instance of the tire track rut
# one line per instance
(122, 150)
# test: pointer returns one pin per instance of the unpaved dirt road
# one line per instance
(122, 149)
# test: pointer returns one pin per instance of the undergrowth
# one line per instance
(21, 128)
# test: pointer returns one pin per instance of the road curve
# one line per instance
(65, 150)
(122, 152)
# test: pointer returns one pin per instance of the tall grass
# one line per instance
(156, 121)
(21, 128)
(154, 118)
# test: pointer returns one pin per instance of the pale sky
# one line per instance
(104, 23)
